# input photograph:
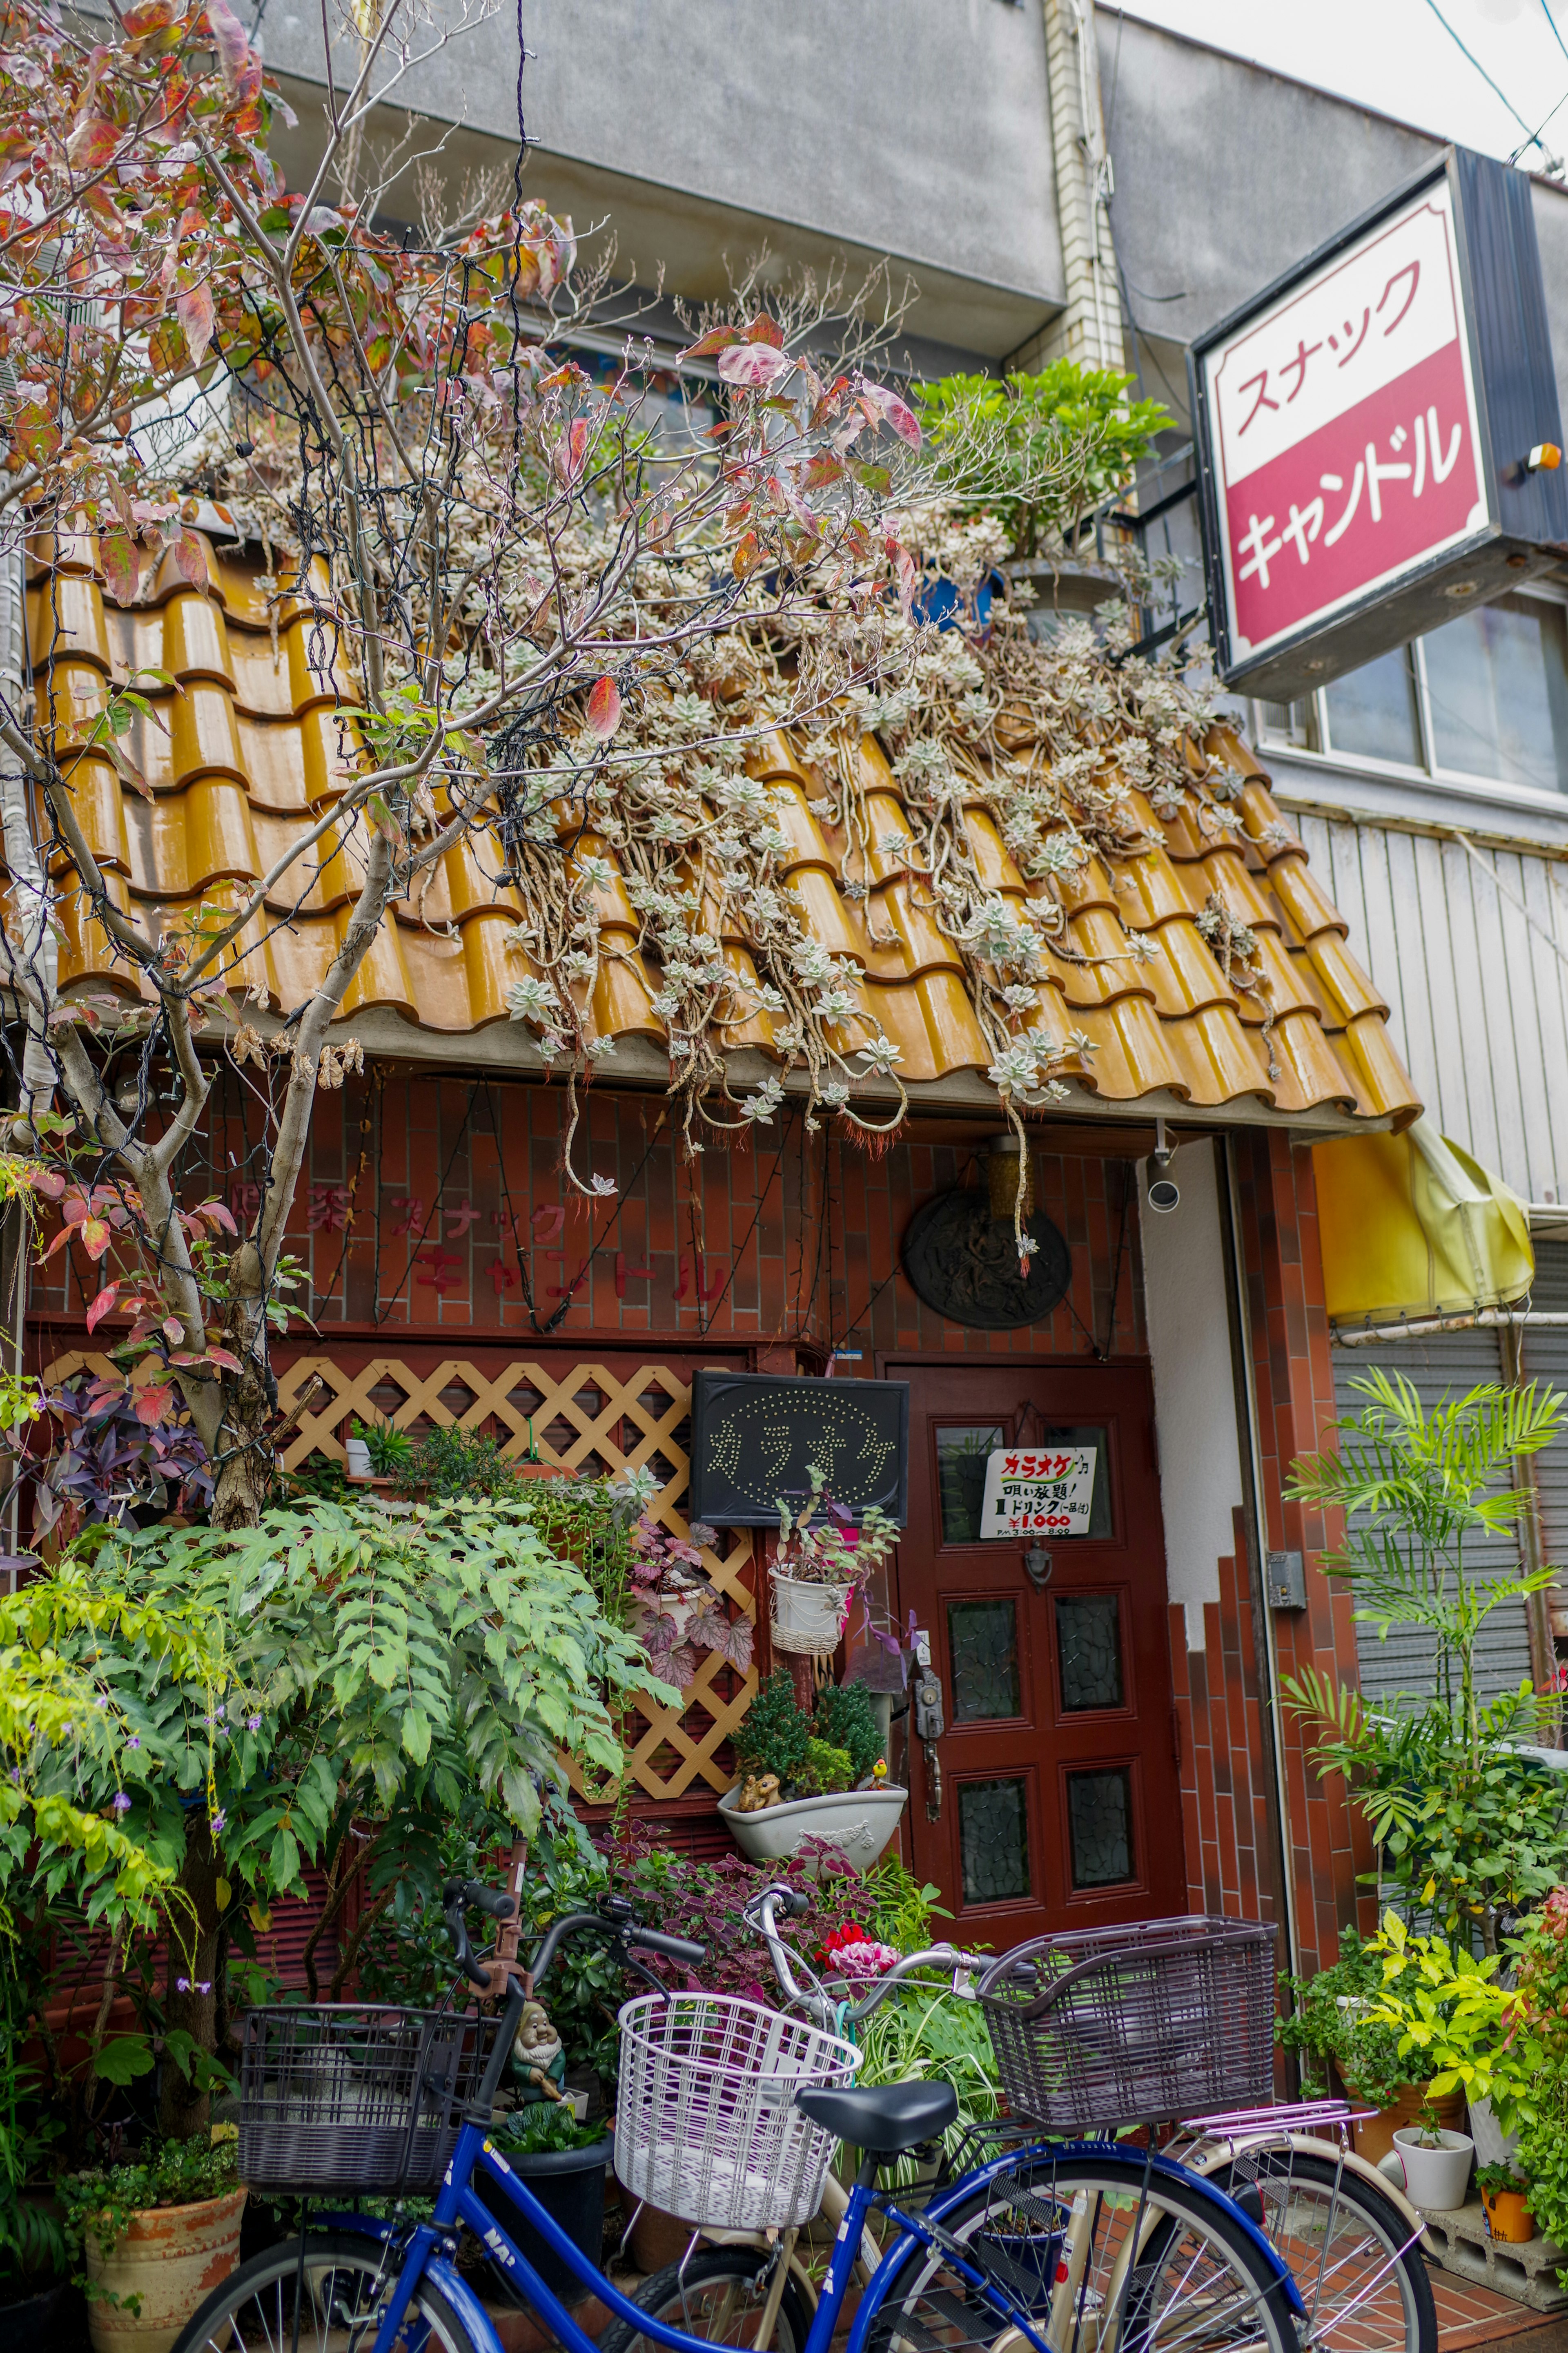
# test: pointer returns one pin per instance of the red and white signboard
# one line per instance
(1345, 442)
(1048, 1492)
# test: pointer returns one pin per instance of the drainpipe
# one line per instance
(1277, 1794)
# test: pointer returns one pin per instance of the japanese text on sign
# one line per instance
(1043, 1493)
(1346, 444)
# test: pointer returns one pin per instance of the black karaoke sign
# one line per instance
(754, 1437)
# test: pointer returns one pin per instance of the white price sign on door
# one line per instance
(1047, 1491)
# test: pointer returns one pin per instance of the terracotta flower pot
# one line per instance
(543, 1470)
(170, 2258)
(1508, 2212)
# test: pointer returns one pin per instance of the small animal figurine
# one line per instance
(760, 1791)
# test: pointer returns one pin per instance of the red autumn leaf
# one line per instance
(152, 1402)
(222, 1356)
(173, 1331)
(120, 571)
(754, 367)
(195, 314)
(747, 556)
(571, 450)
(151, 16)
(717, 339)
(903, 566)
(605, 710)
(50, 1183)
(764, 330)
(228, 39)
(92, 143)
(95, 1236)
(191, 559)
(886, 404)
(102, 1306)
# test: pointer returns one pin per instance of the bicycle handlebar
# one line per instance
(763, 1912)
(615, 1921)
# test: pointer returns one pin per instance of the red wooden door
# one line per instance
(1059, 1804)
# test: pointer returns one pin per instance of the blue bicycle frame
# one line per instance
(430, 2247)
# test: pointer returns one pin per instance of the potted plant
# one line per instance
(1507, 2201)
(1435, 2164)
(563, 2163)
(1333, 2031)
(822, 1559)
(376, 1450)
(156, 2235)
(805, 1777)
(1454, 2016)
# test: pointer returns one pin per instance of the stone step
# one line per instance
(1525, 2272)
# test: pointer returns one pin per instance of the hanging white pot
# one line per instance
(807, 1617)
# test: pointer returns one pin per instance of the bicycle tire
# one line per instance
(666, 2294)
(1200, 2282)
(349, 2278)
(1365, 2286)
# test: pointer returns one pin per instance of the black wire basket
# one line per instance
(332, 2096)
(1135, 2025)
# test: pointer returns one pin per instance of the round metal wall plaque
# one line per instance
(964, 1263)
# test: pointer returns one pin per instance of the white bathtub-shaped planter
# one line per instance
(858, 1822)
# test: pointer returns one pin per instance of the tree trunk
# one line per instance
(183, 2109)
(244, 1473)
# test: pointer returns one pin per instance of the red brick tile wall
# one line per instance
(781, 1237)
(1220, 1705)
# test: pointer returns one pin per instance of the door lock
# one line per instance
(930, 1725)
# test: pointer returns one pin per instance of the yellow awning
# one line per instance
(1412, 1226)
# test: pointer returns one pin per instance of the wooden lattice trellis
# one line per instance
(627, 1422)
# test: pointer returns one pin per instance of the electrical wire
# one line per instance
(1531, 136)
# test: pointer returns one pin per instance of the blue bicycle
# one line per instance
(1065, 2248)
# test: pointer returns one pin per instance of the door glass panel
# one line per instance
(994, 1840)
(962, 1449)
(982, 1644)
(1100, 1825)
(1081, 1434)
(1089, 1648)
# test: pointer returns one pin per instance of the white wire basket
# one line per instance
(706, 2126)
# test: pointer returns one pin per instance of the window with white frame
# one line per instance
(1483, 700)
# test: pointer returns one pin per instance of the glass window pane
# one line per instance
(960, 1453)
(1089, 1646)
(1290, 722)
(1498, 685)
(982, 1644)
(1373, 711)
(1100, 1825)
(994, 1840)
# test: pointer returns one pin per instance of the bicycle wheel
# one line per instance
(347, 2281)
(1359, 2271)
(1104, 2259)
(721, 2298)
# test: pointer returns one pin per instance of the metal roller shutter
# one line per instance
(1546, 1359)
(1443, 1366)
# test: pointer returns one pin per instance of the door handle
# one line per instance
(930, 1725)
(1038, 1566)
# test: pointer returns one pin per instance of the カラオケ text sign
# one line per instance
(1346, 437)
(1046, 1493)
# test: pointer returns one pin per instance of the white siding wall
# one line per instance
(1478, 996)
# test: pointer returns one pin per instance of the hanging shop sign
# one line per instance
(755, 1436)
(1048, 1493)
(1377, 434)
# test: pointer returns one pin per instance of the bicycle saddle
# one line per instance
(884, 2118)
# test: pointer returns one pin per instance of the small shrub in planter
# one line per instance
(1507, 2201)
(810, 1756)
(155, 2236)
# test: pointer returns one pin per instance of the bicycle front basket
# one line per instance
(706, 2124)
(1135, 2024)
(332, 2096)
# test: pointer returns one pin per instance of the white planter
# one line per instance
(1493, 2145)
(1438, 2178)
(858, 1822)
(809, 1618)
(358, 1453)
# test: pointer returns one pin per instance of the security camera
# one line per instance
(1164, 1193)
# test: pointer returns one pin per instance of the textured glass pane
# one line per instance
(1083, 1433)
(1372, 710)
(1497, 683)
(1100, 1823)
(1088, 1645)
(960, 1453)
(992, 1840)
(982, 1644)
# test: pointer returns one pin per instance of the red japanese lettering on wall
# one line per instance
(1346, 443)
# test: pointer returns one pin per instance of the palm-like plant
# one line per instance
(1467, 1825)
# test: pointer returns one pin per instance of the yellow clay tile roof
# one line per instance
(254, 751)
